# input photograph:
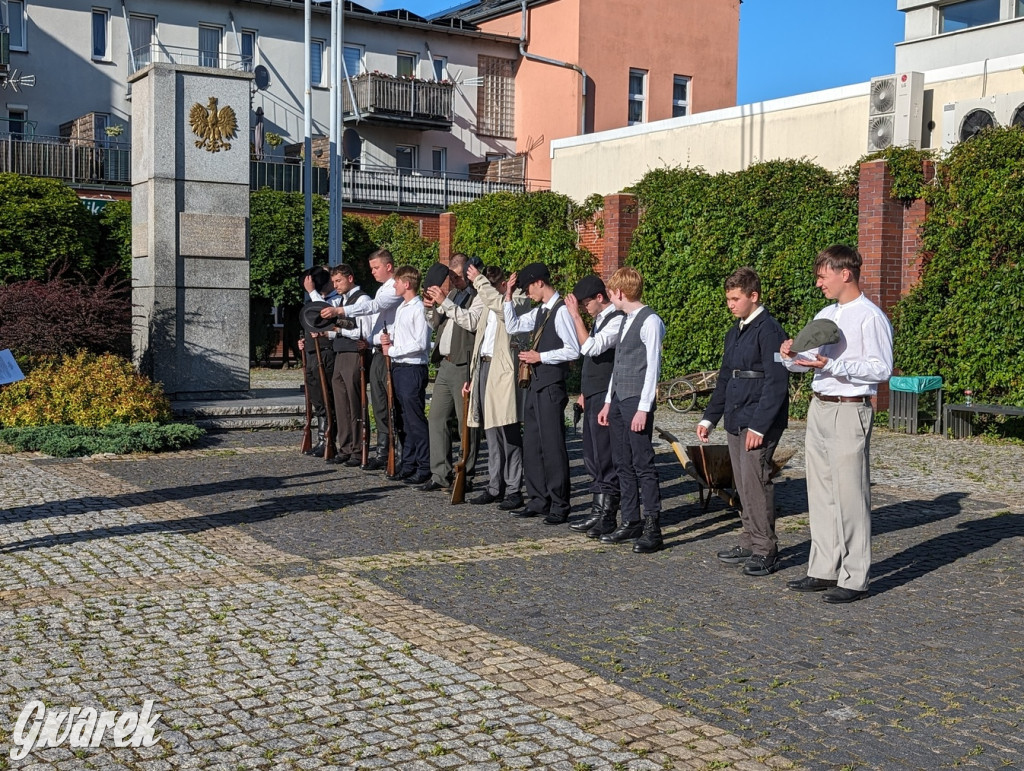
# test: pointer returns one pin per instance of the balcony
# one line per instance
(105, 162)
(384, 188)
(385, 100)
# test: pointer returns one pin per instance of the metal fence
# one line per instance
(382, 186)
(384, 94)
(73, 161)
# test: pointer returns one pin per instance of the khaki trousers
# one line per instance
(839, 492)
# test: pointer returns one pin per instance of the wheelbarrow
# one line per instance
(681, 393)
(711, 467)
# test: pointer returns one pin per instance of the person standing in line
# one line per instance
(553, 346)
(408, 345)
(839, 422)
(493, 401)
(382, 310)
(597, 346)
(454, 316)
(752, 393)
(316, 282)
(348, 343)
(629, 412)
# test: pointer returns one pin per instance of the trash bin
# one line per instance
(904, 393)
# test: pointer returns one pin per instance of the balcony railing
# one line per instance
(385, 98)
(145, 55)
(384, 187)
(74, 161)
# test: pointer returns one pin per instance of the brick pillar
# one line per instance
(880, 236)
(446, 234)
(913, 219)
(621, 217)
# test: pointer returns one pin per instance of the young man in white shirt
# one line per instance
(839, 421)
(407, 343)
(629, 412)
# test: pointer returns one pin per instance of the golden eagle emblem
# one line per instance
(213, 125)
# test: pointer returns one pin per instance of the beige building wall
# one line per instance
(827, 127)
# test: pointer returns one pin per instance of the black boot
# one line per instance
(606, 524)
(627, 531)
(596, 514)
(318, 447)
(650, 541)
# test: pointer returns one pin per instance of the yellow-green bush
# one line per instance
(83, 390)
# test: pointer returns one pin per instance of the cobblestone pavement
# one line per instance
(283, 613)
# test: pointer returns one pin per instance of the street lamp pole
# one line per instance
(307, 162)
(334, 213)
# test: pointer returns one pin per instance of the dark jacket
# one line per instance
(758, 403)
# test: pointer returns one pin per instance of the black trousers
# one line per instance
(411, 395)
(597, 448)
(545, 458)
(634, 460)
(379, 402)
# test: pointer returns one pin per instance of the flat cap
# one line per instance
(588, 286)
(816, 334)
(535, 271)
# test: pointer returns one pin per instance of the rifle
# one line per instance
(363, 416)
(329, 427)
(307, 430)
(391, 414)
(459, 483)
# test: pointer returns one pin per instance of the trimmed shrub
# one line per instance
(83, 390)
(58, 317)
(118, 438)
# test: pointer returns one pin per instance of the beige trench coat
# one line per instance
(501, 397)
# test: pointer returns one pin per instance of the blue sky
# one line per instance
(788, 46)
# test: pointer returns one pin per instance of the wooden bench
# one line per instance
(958, 416)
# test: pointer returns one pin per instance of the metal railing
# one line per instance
(157, 52)
(382, 186)
(75, 161)
(385, 95)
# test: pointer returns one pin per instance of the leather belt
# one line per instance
(747, 374)
(450, 360)
(485, 358)
(843, 399)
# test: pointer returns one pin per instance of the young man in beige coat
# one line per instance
(493, 394)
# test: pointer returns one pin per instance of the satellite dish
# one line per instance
(351, 144)
(975, 122)
(262, 77)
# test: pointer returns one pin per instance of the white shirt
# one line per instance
(652, 333)
(564, 327)
(604, 340)
(410, 333)
(863, 356)
(490, 333)
(384, 304)
(362, 327)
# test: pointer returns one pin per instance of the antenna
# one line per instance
(16, 82)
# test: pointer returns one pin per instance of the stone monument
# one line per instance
(190, 228)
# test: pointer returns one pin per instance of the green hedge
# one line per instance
(965, 319)
(118, 438)
(696, 228)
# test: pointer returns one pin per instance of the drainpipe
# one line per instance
(557, 63)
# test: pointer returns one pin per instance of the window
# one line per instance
(969, 13)
(100, 121)
(1020, 8)
(209, 46)
(406, 67)
(405, 158)
(316, 62)
(248, 44)
(100, 20)
(353, 61)
(680, 96)
(441, 67)
(16, 22)
(142, 30)
(495, 99)
(440, 160)
(637, 97)
(16, 120)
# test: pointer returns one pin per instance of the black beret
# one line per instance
(588, 286)
(535, 271)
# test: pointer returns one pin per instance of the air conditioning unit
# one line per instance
(962, 120)
(896, 110)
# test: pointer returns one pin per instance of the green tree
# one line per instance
(43, 225)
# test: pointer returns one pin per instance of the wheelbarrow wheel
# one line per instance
(682, 396)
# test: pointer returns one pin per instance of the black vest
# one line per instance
(462, 341)
(546, 374)
(597, 370)
(347, 344)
